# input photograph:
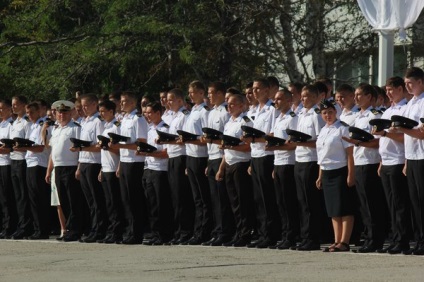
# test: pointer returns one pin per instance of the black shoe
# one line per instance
(386, 249)
(112, 239)
(286, 245)
(71, 238)
(367, 249)
(310, 246)
(399, 249)
(183, 241)
(209, 243)
(418, 251)
(241, 242)
(18, 235)
(220, 241)
(231, 242)
(253, 244)
(38, 236)
(131, 241)
(303, 242)
(151, 241)
(275, 246)
(265, 244)
(101, 241)
(93, 239)
(194, 241)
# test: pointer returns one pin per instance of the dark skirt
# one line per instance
(339, 198)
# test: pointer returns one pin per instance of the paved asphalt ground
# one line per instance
(50, 260)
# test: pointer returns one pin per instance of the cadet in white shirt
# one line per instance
(155, 180)
(89, 168)
(131, 168)
(252, 102)
(37, 157)
(345, 96)
(107, 176)
(336, 176)
(392, 152)
(414, 154)
(224, 228)
(306, 172)
(295, 89)
(7, 199)
(197, 158)
(284, 159)
(167, 115)
(368, 183)
(65, 163)
(233, 170)
(182, 197)
(262, 165)
(20, 128)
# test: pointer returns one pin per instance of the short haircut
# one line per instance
(33, 105)
(322, 88)
(396, 81)
(287, 94)
(233, 90)
(89, 97)
(198, 85)
(21, 99)
(368, 90)
(115, 95)
(415, 73)
(239, 98)
(273, 81)
(263, 81)
(42, 103)
(297, 85)
(345, 88)
(108, 105)
(129, 94)
(311, 89)
(325, 80)
(249, 84)
(6, 102)
(178, 93)
(380, 91)
(156, 107)
(73, 100)
(218, 86)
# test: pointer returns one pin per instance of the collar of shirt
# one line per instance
(366, 112)
(107, 124)
(265, 107)
(417, 98)
(354, 109)
(90, 118)
(399, 104)
(310, 111)
(220, 107)
(153, 126)
(131, 115)
(198, 107)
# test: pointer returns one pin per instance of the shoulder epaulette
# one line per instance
(246, 119)
(226, 107)
(273, 104)
(292, 114)
(375, 111)
(77, 124)
(41, 122)
(26, 118)
(100, 118)
(317, 111)
(206, 108)
(383, 110)
(165, 125)
(344, 124)
(185, 111)
(117, 123)
(11, 121)
(252, 117)
(333, 102)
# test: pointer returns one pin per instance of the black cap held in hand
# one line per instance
(211, 133)
(272, 141)
(78, 143)
(228, 140)
(22, 142)
(400, 121)
(380, 124)
(116, 138)
(297, 136)
(144, 147)
(187, 136)
(359, 134)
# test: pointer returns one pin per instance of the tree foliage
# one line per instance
(52, 48)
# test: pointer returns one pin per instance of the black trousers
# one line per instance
(18, 175)
(240, 194)
(310, 200)
(415, 176)
(201, 196)
(371, 202)
(70, 196)
(112, 192)
(158, 198)
(7, 201)
(397, 197)
(221, 209)
(182, 198)
(268, 219)
(133, 200)
(285, 190)
(94, 196)
(39, 197)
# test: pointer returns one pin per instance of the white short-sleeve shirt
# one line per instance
(197, 119)
(42, 158)
(21, 128)
(414, 147)
(310, 122)
(90, 128)
(233, 128)
(177, 123)
(4, 134)
(158, 164)
(331, 148)
(349, 116)
(264, 121)
(391, 151)
(110, 161)
(134, 127)
(362, 155)
(60, 144)
(284, 121)
(218, 117)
